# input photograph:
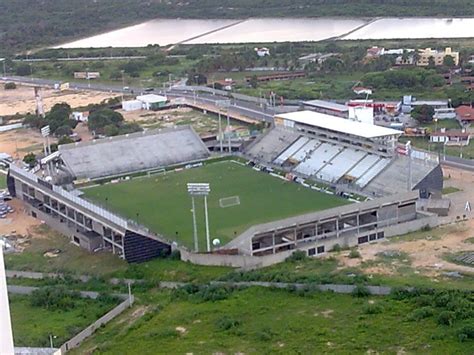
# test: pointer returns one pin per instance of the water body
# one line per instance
(172, 31)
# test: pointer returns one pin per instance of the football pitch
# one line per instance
(240, 197)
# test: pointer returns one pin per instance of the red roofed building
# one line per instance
(465, 114)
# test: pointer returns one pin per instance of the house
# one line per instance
(465, 114)
(318, 58)
(132, 105)
(86, 75)
(471, 59)
(409, 103)
(451, 137)
(438, 56)
(408, 60)
(262, 52)
(80, 116)
(225, 84)
(374, 52)
(152, 101)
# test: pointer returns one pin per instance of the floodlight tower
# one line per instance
(6, 334)
(200, 189)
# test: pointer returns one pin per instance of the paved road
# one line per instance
(242, 107)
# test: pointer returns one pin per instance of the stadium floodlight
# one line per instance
(200, 189)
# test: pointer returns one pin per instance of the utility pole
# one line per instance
(228, 131)
(220, 132)
(408, 145)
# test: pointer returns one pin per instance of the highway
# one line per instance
(242, 107)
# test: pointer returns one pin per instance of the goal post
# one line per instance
(229, 201)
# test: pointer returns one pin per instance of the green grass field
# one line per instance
(3, 181)
(264, 321)
(162, 202)
(32, 325)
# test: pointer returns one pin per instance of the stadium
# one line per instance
(311, 181)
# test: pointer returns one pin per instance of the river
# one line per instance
(172, 31)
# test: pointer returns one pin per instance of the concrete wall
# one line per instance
(253, 262)
(79, 338)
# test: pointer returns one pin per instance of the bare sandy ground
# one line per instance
(22, 99)
(20, 142)
(424, 255)
(18, 222)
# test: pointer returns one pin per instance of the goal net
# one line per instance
(229, 201)
(156, 172)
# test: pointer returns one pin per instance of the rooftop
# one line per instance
(465, 113)
(338, 124)
(151, 98)
(328, 105)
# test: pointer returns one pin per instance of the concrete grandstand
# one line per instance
(350, 155)
(132, 152)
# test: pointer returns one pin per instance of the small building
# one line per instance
(86, 75)
(80, 116)
(327, 107)
(374, 52)
(438, 56)
(318, 58)
(262, 52)
(225, 84)
(451, 137)
(152, 101)
(409, 103)
(465, 114)
(132, 105)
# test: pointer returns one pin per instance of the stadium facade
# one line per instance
(309, 146)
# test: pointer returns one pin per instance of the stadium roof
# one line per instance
(133, 152)
(328, 105)
(338, 124)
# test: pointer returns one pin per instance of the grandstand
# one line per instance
(351, 155)
(132, 152)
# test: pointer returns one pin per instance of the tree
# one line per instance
(30, 159)
(101, 118)
(253, 81)
(23, 70)
(423, 113)
(448, 61)
(431, 62)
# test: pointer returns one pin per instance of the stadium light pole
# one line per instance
(196, 243)
(200, 189)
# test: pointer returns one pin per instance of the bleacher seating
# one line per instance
(272, 144)
(317, 159)
(341, 163)
(364, 165)
(295, 147)
(301, 154)
(372, 172)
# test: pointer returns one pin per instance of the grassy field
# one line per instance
(3, 181)
(32, 325)
(74, 260)
(264, 321)
(162, 202)
(424, 143)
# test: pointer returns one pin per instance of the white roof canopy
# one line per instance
(338, 124)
